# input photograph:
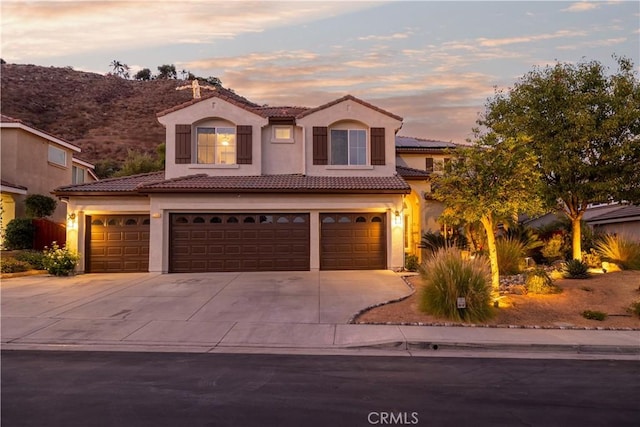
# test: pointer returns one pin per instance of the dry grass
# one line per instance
(611, 293)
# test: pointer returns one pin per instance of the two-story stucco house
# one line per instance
(36, 162)
(252, 188)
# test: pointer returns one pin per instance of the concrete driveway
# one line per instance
(194, 308)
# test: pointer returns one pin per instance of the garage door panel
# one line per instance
(118, 243)
(352, 241)
(270, 242)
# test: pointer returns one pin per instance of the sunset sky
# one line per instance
(433, 63)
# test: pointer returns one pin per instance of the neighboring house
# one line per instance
(624, 221)
(417, 161)
(35, 162)
(252, 188)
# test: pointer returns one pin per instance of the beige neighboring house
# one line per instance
(252, 188)
(418, 160)
(623, 220)
(35, 162)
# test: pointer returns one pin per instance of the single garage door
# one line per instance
(239, 242)
(353, 241)
(118, 243)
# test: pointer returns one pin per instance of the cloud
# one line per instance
(32, 30)
(582, 6)
(528, 39)
(395, 36)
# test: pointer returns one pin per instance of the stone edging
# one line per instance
(353, 318)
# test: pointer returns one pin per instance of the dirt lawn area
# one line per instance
(611, 293)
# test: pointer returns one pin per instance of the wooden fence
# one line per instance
(47, 232)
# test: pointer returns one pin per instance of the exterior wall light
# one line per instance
(397, 220)
(72, 223)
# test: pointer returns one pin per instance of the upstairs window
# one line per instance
(348, 147)
(282, 134)
(216, 145)
(77, 175)
(57, 156)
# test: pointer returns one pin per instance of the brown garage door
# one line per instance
(353, 241)
(118, 243)
(239, 242)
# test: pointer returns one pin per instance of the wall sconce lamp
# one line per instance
(72, 223)
(156, 215)
(397, 220)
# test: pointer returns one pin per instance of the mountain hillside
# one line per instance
(104, 115)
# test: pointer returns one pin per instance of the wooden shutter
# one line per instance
(429, 164)
(183, 144)
(244, 135)
(320, 146)
(377, 146)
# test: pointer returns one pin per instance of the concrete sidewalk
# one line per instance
(268, 312)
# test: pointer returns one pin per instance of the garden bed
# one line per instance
(611, 293)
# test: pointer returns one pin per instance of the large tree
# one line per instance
(584, 127)
(495, 179)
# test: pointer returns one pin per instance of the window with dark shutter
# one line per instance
(245, 144)
(429, 164)
(377, 146)
(320, 151)
(183, 144)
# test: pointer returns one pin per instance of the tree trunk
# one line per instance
(487, 223)
(576, 234)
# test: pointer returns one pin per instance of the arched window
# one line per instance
(113, 221)
(283, 220)
(344, 219)
(146, 221)
(249, 220)
(299, 220)
(266, 219)
(198, 220)
(376, 219)
(97, 222)
(361, 219)
(216, 220)
(232, 220)
(131, 221)
(328, 220)
(182, 220)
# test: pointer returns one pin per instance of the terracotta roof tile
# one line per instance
(279, 183)
(411, 173)
(125, 184)
(221, 93)
(268, 111)
(348, 98)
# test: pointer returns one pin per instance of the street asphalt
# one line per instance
(277, 312)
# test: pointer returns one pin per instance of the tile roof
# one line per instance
(12, 185)
(126, 184)
(222, 93)
(411, 173)
(280, 184)
(267, 111)
(625, 211)
(348, 98)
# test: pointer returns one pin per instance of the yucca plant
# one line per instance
(511, 253)
(619, 250)
(539, 282)
(576, 269)
(434, 241)
(447, 277)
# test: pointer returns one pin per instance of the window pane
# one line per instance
(339, 147)
(282, 132)
(357, 147)
(226, 146)
(206, 144)
(57, 156)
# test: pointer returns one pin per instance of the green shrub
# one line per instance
(511, 253)
(539, 282)
(619, 250)
(11, 265)
(576, 269)
(34, 258)
(554, 248)
(447, 277)
(411, 262)
(594, 315)
(39, 205)
(19, 234)
(60, 261)
(592, 259)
